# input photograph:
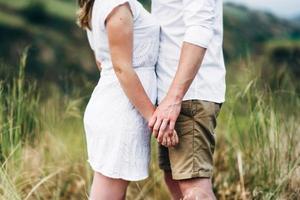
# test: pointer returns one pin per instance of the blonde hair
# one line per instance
(84, 13)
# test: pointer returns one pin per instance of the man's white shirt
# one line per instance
(199, 22)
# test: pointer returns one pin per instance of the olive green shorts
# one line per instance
(193, 156)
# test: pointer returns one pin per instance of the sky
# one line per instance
(283, 8)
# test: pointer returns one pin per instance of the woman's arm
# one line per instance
(119, 25)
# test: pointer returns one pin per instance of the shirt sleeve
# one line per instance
(199, 16)
(109, 5)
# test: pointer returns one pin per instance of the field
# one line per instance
(42, 142)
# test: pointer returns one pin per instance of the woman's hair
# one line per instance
(84, 13)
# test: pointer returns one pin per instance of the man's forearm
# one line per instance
(190, 60)
(166, 114)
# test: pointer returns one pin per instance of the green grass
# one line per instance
(42, 142)
(257, 155)
(19, 104)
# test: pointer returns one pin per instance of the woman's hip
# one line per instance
(109, 81)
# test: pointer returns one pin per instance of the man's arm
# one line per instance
(190, 60)
(199, 19)
(168, 110)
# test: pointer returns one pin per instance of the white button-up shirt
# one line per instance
(199, 22)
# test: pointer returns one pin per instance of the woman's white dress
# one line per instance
(118, 139)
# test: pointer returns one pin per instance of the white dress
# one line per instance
(118, 139)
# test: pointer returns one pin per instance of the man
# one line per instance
(191, 89)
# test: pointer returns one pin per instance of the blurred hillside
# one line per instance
(246, 31)
(42, 142)
(60, 52)
(297, 19)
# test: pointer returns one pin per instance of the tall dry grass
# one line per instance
(19, 105)
(258, 142)
(43, 152)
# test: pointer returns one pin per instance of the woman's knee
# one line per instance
(108, 188)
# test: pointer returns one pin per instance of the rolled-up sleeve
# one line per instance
(199, 16)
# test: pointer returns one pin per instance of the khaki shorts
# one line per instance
(193, 156)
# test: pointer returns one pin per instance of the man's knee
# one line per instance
(196, 189)
(198, 194)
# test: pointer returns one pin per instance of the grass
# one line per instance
(19, 104)
(43, 152)
(261, 129)
(42, 142)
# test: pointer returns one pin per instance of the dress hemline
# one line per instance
(110, 175)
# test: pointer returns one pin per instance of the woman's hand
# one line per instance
(164, 118)
(171, 139)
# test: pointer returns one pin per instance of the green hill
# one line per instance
(297, 20)
(58, 46)
(59, 49)
(246, 31)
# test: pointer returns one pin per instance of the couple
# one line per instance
(172, 56)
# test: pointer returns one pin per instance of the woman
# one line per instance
(125, 41)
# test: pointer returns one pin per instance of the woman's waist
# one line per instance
(147, 77)
(109, 71)
(108, 76)
(138, 62)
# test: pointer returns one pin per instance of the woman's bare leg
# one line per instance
(104, 188)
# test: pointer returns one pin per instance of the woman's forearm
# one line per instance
(135, 92)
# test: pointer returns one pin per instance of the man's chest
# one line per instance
(173, 5)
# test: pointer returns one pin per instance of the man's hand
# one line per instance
(164, 118)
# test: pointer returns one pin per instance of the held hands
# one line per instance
(162, 122)
(170, 139)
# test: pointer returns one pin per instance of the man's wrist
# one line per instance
(176, 95)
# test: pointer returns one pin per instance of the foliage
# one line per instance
(60, 48)
(42, 143)
(19, 102)
(257, 155)
(260, 125)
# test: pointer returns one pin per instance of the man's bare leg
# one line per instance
(173, 186)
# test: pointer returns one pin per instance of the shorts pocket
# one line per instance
(202, 109)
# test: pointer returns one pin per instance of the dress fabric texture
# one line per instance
(118, 139)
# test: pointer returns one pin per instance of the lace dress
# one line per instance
(118, 139)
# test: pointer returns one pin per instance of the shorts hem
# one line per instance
(183, 176)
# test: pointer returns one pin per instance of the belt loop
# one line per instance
(192, 107)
